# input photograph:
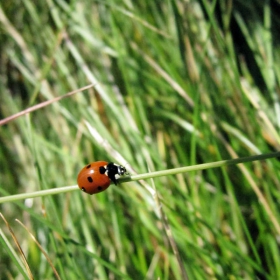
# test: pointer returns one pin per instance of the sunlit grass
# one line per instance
(172, 88)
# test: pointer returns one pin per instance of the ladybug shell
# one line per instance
(92, 179)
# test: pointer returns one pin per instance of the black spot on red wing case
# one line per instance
(102, 169)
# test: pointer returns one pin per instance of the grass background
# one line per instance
(178, 83)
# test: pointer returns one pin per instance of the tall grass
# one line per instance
(177, 83)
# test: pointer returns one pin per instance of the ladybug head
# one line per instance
(121, 170)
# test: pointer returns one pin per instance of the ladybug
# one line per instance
(97, 176)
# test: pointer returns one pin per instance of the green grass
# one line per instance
(177, 83)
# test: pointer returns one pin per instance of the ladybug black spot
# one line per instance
(90, 179)
(102, 170)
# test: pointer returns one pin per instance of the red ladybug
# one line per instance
(97, 176)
